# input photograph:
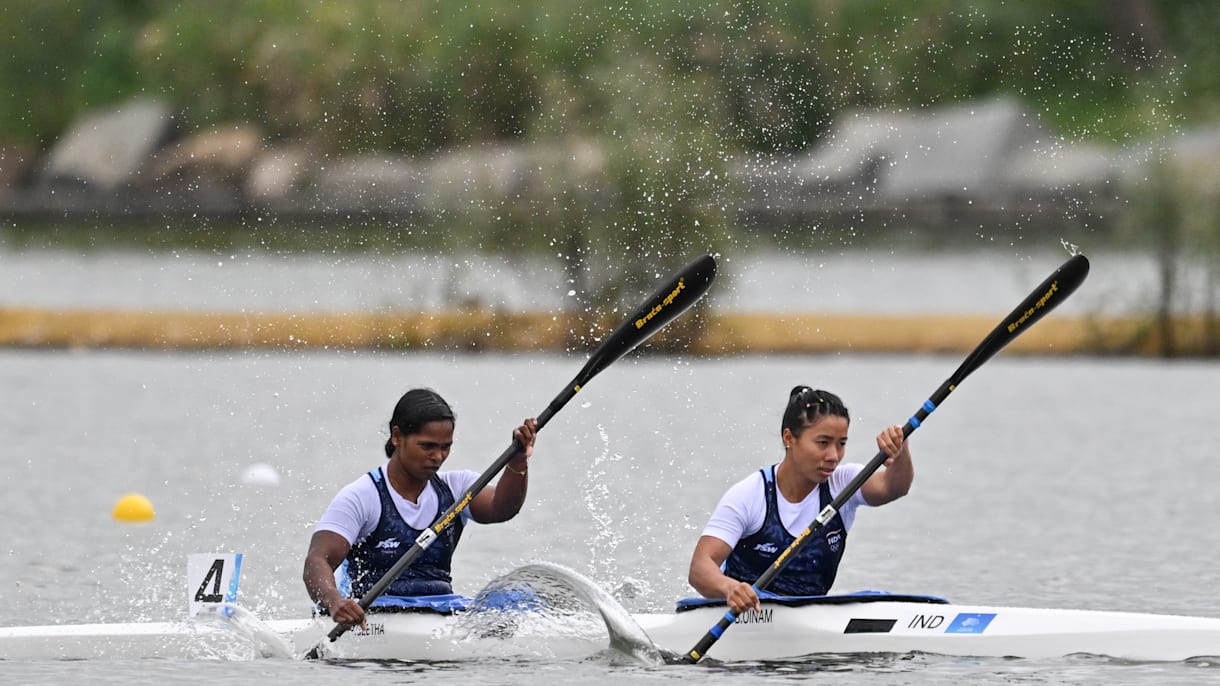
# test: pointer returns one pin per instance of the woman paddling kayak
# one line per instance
(376, 518)
(756, 518)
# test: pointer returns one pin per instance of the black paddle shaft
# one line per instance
(672, 298)
(1046, 297)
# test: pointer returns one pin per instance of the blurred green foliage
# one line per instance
(425, 75)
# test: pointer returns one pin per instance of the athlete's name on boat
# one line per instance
(1037, 306)
(762, 616)
(669, 299)
(374, 629)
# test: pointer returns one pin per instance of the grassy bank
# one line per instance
(706, 333)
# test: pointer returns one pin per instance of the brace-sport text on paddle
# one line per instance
(1037, 306)
(669, 299)
(454, 511)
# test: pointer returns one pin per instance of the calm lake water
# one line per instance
(990, 281)
(1074, 482)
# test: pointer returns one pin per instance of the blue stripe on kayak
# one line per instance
(795, 601)
(970, 623)
(231, 596)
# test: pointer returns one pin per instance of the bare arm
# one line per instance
(326, 552)
(893, 482)
(706, 578)
(502, 501)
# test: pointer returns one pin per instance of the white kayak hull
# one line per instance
(129, 640)
(778, 632)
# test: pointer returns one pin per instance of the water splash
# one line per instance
(243, 623)
(1072, 248)
(546, 599)
(598, 500)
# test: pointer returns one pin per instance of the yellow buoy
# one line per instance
(133, 508)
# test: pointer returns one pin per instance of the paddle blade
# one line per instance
(1046, 297)
(672, 298)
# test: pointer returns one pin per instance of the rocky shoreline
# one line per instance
(133, 160)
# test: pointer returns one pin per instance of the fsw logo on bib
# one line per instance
(388, 544)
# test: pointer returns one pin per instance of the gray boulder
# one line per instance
(107, 149)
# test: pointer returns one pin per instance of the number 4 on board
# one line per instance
(211, 578)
